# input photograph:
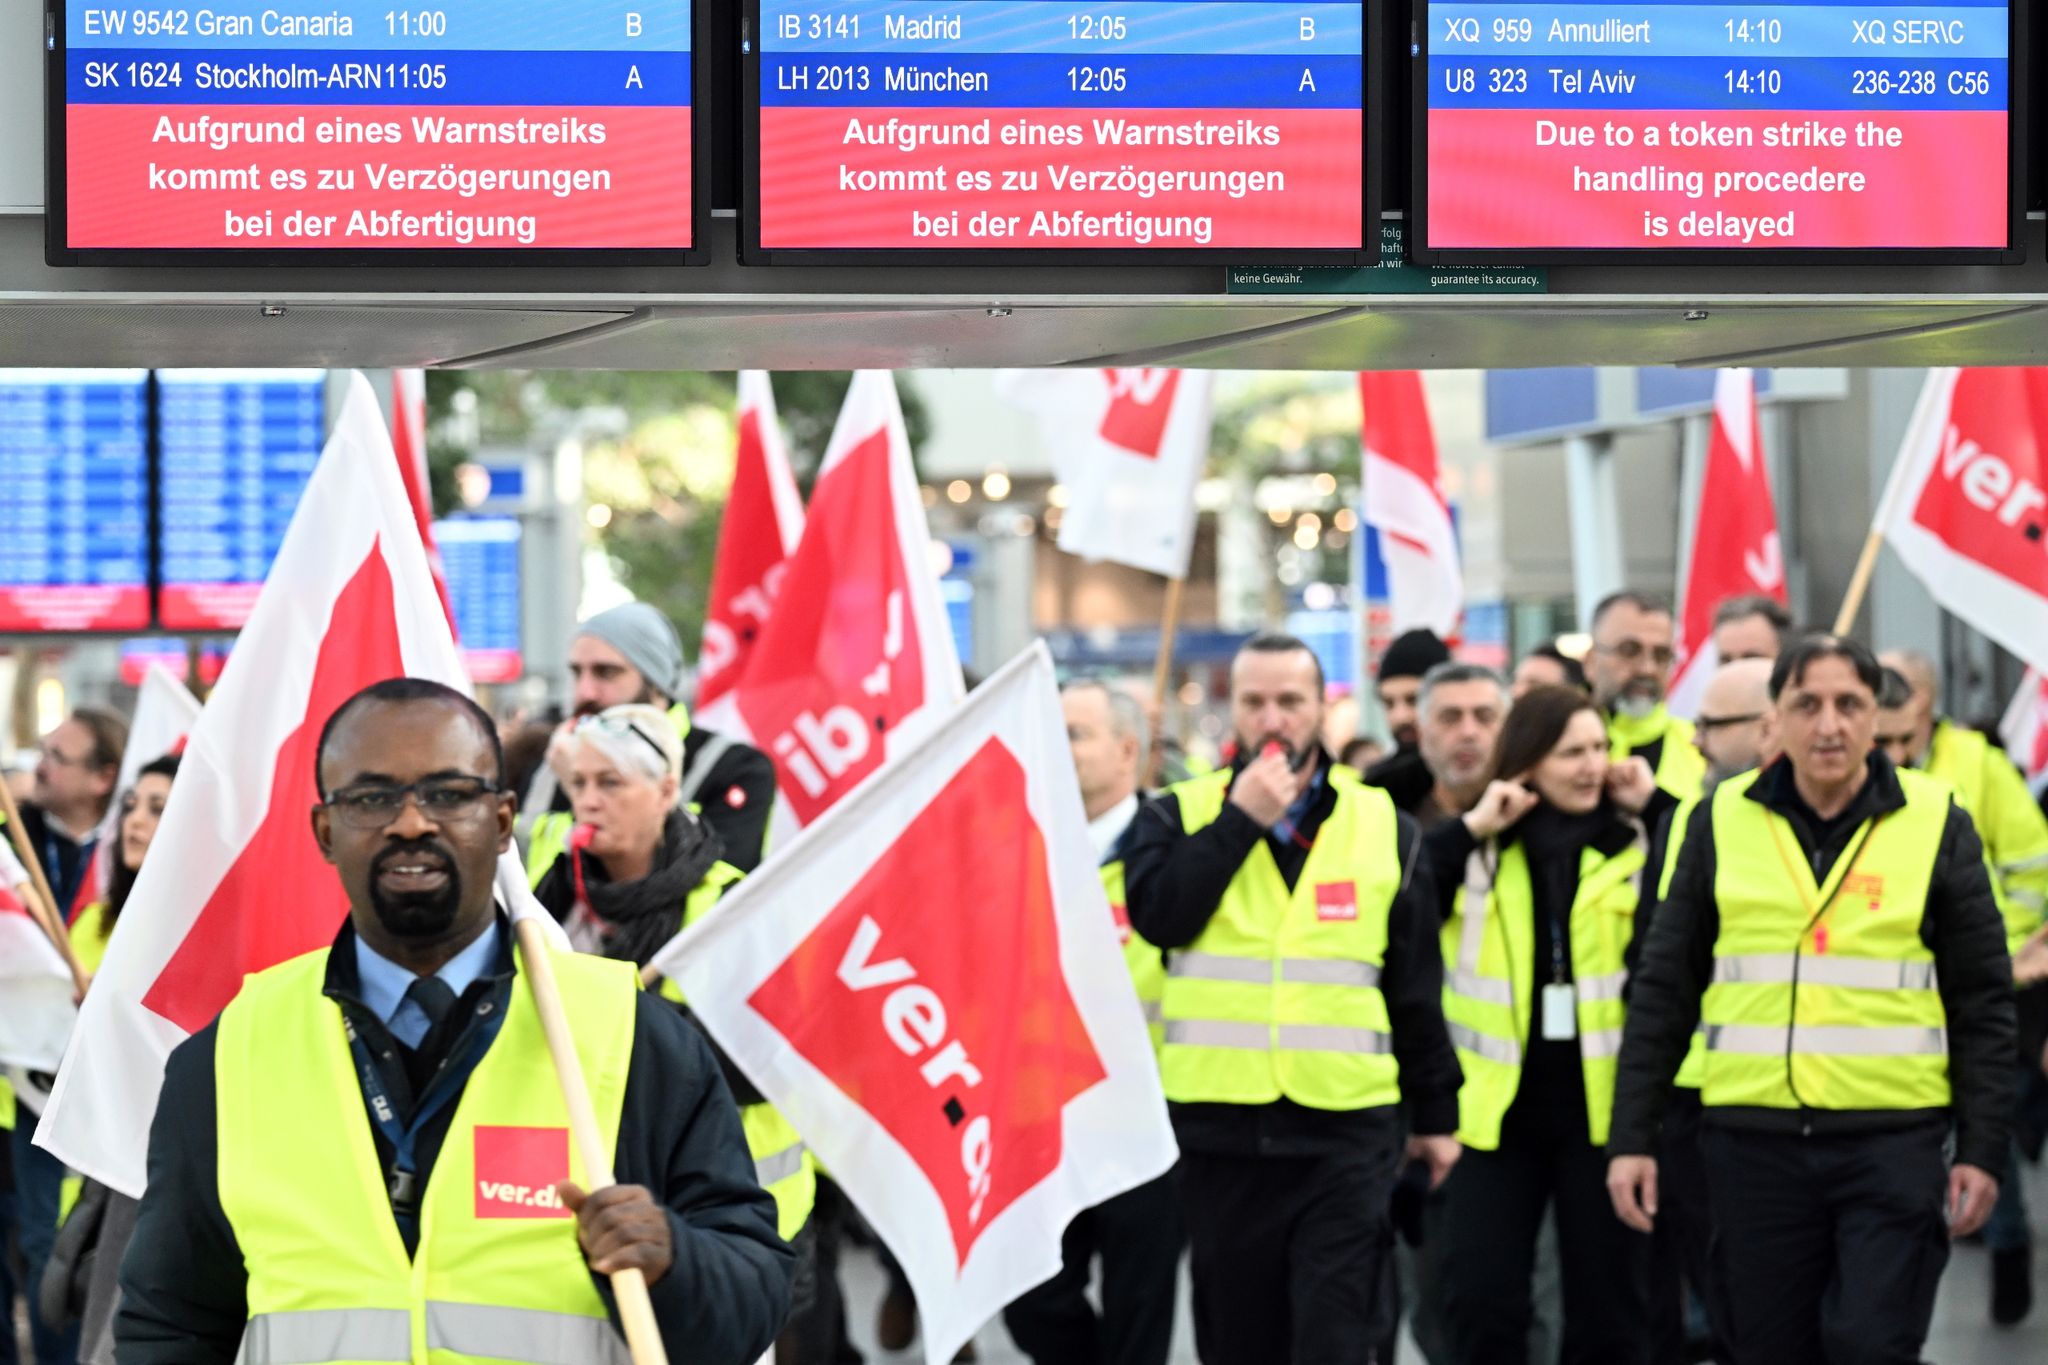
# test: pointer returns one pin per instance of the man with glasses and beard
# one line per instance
(1303, 1006)
(369, 1148)
(631, 654)
(1629, 667)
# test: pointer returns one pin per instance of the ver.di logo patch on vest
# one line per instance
(1120, 914)
(1864, 886)
(517, 1170)
(1337, 900)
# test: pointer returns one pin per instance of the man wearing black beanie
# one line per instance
(1404, 775)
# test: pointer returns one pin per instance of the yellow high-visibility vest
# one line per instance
(1694, 1068)
(1280, 995)
(498, 1273)
(1490, 979)
(1823, 995)
(2008, 820)
(1146, 963)
(783, 1165)
(1681, 768)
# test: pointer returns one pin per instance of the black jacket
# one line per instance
(1405, 777)
(1961, 927)
(1173, 883)
(733, 800)
(63, 858)
(184, 1287)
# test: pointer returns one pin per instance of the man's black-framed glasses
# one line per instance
(372, 805)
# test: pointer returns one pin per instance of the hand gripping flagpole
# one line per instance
(629, 1287)
(43, 905)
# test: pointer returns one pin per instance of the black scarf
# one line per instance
(642, 915)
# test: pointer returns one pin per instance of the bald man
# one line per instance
(1736, 728)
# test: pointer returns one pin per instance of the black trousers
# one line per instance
(1139, 1238)
(1493, 1209)
(1292, 1257)
(1830, 1248)
(1681, 1250)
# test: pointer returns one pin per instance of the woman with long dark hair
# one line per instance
(142, 807)
(1540, 884)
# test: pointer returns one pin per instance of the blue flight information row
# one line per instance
(1225, 28)
(1706, 83)
(1510, 29)
(342, 26)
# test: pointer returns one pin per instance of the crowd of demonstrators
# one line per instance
(1564, 995)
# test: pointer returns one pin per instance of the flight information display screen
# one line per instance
(237, 449)
(1552, 129)
(480, 557)
(285, 127)
(74, 524)
(1148, 129)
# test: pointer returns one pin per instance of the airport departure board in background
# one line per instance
(74, 525)
(480, 558)
(237, 449)
(1219, 129)
(1546, 131)
(461, 128)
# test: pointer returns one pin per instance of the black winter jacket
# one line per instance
(1961, 927)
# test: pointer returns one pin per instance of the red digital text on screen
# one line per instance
(74, 607)
(1577, 179)
(1048, 179)
(295, 177)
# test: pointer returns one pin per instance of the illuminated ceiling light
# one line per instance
(995, 485)
(1325, 484)
(1056, 496)
(1281, 515)
(959, 491)
(1191, 694)
(1306, 536)
(1346, 520)
(1312, 521)
(598, 515)
(929, 494)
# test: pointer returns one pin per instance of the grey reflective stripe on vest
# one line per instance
(1245, 1037)
(2033, 864)
(1333, 1038)
(700, 771)
(778, 1165)
(1487, 990)
(1478, 886)
(1608, 987)
(1863, 973)
(1600, 1043)
(1152, 1010)
(1250, 971)
(524, 1334)
(1227, 1033)
(316, 1335)
(1328, 971)
(1506, 1051)
(1826, 1040)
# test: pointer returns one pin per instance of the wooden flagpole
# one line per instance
(1162, 672)
(1859, 582)
(629, 1287)
(43, 905)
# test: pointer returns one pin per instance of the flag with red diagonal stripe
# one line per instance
(1735, 549)
(764, 519)
(928, 983)
(36, 1010)
(234, 882)
(2024, 727)
(1403, 498)
(409, 444)
(858, 657)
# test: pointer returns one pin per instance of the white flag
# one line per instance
(165, 710)
(1129, 446)
(928, 983)
(234, 882)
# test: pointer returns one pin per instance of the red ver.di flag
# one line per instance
(1965, 508)
(928, 983)
(234, 882)
(1735, 551)
(857, 658)
(764, 519)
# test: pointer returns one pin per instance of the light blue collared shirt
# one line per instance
(384, 983)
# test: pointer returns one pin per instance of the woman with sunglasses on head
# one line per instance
(639, 867)
(1540, 885)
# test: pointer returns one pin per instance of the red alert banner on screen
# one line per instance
(1965, 508)
(857, 658)
(1129, 446)
(234, 882)
(165, 711)
(1404, 498)
(928, 984)
(1735, 548)
(764, 519)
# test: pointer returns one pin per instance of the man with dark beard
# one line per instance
(627, 654)
(368, 1149)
